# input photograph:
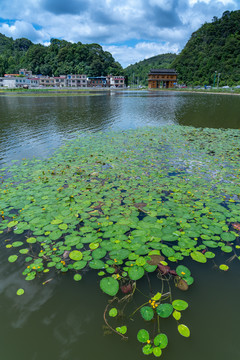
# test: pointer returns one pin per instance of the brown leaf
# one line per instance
(65, 254)
(164, 269)
(236, 226)
(126, 289)
(182, 285)
(155, 259)
(140, 205)
(173, 272)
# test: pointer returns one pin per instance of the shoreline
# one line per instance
(98, 91)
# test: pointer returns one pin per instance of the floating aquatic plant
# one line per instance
(127, 204)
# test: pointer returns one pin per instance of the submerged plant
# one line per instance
(127, 204)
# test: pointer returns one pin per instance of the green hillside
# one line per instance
(214, 47)
(137, 73)
(60, 57)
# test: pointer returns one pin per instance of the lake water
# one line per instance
(64, 319)
(35, 126)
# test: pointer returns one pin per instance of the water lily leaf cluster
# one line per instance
(125, 204)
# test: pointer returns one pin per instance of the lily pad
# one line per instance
(164, 310)
(161, 340)
(76, 255)
(198, 256)
(113, 312)
(109, 285)
(12, 258)
(147, 313)
(180, 305)
(183, 330)
(20, 292)
(143, 336)
(136, 272)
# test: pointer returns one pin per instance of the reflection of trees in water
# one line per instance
(209, 110)
(34, 126)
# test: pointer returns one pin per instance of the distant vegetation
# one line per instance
(138, 73)
(60, 57)
(214, 47)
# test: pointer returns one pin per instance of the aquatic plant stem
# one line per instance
(110, 327)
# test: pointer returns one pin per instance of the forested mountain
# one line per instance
(214, 47)
(138, 73)
(60, 57)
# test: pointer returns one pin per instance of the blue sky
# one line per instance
(132, 30)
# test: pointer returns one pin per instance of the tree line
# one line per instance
(60, 57)
(213, 50)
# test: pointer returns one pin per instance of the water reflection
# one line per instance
(63, 319)
(35, 126)
(209, 110)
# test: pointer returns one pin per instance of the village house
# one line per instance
(12, 82)
(116, 81)
(162, 78)
(76, 80)
(106, 81)
(25, 72)
(8, 81)
(97, 81)
(25, 78)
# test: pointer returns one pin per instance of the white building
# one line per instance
(18, 82)
(116, 81)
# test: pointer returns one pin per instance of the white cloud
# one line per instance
(157, 25)
(23, 29)
(127, 55)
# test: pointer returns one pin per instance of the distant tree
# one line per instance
(213, 47)
(60, 57)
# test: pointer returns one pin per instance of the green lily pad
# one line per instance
(143, 336)
(157, 351)
(12, 223)
(135, 272)
(78, 265)
(147, 313)
(109, 285)
(161, 340)
(147, 349)
(77, 277)
(113, 312)
(121, 329)
(12, 258)
(164, 310)
(157, 296)
(198, 256)
(223, 267)
(17, 243)
(183, 330)
(31, 240)
(97, 264)
(228, 237)
(76, 255)
(180, 305)
(140, 261)
(183, 271)
(177, 315)
(20, 292)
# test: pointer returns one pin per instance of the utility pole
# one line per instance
(214, 78)
(218, 79)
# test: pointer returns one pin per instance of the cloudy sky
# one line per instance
(132, 30)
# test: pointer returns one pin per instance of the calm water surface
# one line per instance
(34, 126)
(63, 319)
